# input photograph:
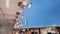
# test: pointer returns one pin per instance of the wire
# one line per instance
(2, 12)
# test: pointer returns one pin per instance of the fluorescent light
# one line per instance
(30, 5)
(7, 3)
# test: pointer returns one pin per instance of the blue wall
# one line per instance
(43, 13)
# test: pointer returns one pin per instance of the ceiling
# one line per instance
(8, 9)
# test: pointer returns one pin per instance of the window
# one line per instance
(49, 33)
(34, 32)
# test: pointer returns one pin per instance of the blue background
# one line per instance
(43, 13)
